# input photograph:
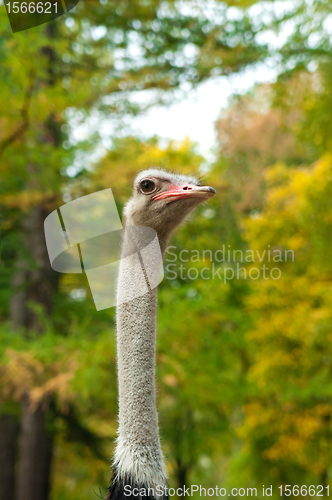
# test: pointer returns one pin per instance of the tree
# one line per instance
(288, 416)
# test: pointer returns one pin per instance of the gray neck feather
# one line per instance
(138, 451)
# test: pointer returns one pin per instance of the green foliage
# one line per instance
(288, 415)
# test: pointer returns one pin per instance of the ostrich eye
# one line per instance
(147, 186)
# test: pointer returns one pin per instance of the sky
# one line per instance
(195, 116)
(192, 117)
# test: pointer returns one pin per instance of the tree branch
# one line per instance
(22, 127)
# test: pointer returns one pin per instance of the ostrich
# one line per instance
(160, 200)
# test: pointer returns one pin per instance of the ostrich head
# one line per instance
(162, 200)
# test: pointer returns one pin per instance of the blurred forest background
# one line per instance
(244, 368)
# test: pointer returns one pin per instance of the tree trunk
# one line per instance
(33, 475)
(34, 282)
(9, 428)
(35, 285)
(181, 475)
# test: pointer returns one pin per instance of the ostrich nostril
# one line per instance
(186, 188)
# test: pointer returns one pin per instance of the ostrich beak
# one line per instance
(186, 191)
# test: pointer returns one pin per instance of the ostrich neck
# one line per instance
(138, 454)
